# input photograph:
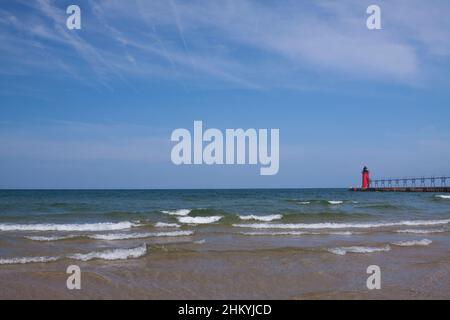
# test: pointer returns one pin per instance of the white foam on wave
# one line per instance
(112, 254)
(200, 241)
(142, 235)
(357, 249)
(24, 260)
(443, 196)
(332, 225)
(297, 233)
(167, 225)
(114, 236)
(199, 220)
(423, 242)
(299, 201)
(178, 212)
(262, 218)
(335, 202)
(421, 231)
(102, 226)
(51, 238)
(343, 233)
(281, 233)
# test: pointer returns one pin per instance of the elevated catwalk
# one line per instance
(403, 189)
(406, 184)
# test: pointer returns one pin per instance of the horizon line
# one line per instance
(159, 189)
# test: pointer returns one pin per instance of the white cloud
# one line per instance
(250, 44)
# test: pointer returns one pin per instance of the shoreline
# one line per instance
(415, 273)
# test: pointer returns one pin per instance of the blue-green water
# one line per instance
(79, 206)
(59, 224)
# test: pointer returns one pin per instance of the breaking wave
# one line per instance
(297, 201)
(114, 236)
(296, 233)
(331, 225)
(51, 238)
(199, 220)
(262, 218)
(356, 249)
(281, 233)
(112, 254)
(103, 226)
(423, 242)
(421, 231)
(178, 212)
(447, 197)
(24, 260)
(317, 201)
(128, 236)
(167, 225)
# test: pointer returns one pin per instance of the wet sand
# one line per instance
(412, 273)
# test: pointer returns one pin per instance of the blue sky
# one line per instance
(95, 108)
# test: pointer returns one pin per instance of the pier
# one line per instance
(405, 184)
(400, 189)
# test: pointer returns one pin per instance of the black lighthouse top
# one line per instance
(365, 169)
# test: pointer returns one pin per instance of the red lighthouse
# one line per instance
(365, 178)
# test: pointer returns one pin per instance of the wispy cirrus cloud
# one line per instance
(248, 44)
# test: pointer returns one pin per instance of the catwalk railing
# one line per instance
(410, 182)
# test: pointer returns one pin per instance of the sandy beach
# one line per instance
(290, 274)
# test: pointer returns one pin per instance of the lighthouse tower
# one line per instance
(365, 178)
